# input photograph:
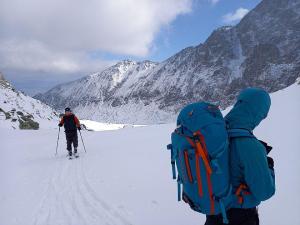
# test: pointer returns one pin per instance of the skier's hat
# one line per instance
(68, 109)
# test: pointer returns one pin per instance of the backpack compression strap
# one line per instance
(238, 132)
(198, 143)
(242, 189)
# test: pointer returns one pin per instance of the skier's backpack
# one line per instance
(69, 123)
(201, 153)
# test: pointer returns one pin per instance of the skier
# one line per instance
(71, 124)
(251, 170)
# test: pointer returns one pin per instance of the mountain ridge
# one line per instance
(262, 51)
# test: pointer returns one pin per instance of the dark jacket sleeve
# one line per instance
(258, 176)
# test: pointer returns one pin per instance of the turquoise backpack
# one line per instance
(200, 151)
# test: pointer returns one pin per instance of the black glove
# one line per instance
(270, 162)
(60, 125)
(267, 147)
(79, 128)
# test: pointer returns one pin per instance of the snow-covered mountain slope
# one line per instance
(19, 111)
(125, 177)
(262, 50)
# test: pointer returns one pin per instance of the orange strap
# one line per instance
(208, 173)
(200, 152)
(208, 176)
(187, 165)
(241, 189)
(210, 190)
(191, 142)
(202, 141)
(198, 171)
(198, 174)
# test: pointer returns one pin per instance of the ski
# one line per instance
(75, 156)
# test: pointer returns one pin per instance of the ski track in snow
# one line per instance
(69, 199)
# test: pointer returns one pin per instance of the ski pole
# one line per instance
(57, 141)
(82, 141)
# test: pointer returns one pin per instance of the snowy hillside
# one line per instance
(125, 177)
(263, 50)
(19, 111)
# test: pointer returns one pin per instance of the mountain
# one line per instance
(19, 111)
(263, 50)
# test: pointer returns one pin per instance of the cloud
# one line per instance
(213, 2)
(55, 35)
(235, 16)
(31, 55)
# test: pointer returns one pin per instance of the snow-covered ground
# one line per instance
(125, 177)
(97, 126)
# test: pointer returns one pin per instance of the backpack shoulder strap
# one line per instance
(238, 132)
(73, 118)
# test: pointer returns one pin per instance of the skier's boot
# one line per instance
(75, 153)
(70, 154)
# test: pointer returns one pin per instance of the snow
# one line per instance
(97, 126)
(236, 64)
(124, 113)
(125, 177)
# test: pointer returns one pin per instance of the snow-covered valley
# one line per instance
(125, 176)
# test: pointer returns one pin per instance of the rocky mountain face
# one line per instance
(19, 111)
(263, 50)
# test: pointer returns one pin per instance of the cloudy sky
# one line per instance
(46, 42)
